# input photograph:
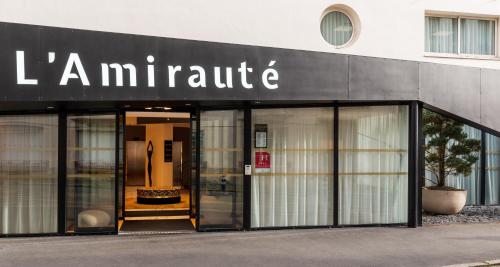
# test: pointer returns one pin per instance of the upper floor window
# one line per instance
(337, 28)
(462, 36)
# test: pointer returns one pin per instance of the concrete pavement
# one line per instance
(426, 246)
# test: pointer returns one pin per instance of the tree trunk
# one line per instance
(441, 175)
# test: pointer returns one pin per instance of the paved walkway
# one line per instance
(427, 246)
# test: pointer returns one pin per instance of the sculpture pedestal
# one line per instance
(158, 195)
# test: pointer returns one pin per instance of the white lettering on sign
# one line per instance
(171, 74)
(229, 78)
(243, 71)
(198, 78)
(21, 71)
(75, 70)
(119, 74)
(270, 75)
(74, 60)
(151, 71)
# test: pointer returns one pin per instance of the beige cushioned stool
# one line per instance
(93, 218)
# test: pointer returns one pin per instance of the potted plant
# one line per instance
(448, 151)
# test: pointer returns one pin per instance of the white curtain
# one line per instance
(28, 174)
(336, 28)
(297, 188)
(441, 35)
(477, 37)
(470, 182)
(492, 170)
(373, 165)
(91, 166)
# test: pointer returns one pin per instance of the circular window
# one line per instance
(337, 28)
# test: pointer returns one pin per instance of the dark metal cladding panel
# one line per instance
(382, 79)
(490, 98)
(27, 38)
(306, 75)
(94, 48)
(452, 88)
(302, 75)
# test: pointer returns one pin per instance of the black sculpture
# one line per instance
(150, 166)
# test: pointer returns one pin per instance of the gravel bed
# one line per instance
(469, 214)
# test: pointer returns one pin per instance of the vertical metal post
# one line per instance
(124, 161)
(413, 165)
(61, 172)
(117, 162)
(482, 165)
(191, 117)
(336, 205)
(247, 158)
(198, 162)
(234, 190)
(421, 162)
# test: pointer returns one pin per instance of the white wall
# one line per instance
(389, 28)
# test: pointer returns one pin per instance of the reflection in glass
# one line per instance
(90, 184)
(28, 174)
(373, 165)
(492, 170)
(292, 179)
(221, 170)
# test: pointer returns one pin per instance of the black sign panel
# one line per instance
(55, 64)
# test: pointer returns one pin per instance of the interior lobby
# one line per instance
(157, 176)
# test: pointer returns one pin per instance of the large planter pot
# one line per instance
(443, 201)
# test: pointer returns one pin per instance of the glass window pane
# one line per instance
(28, 174)
(221, 170)
(469, 182)
(336, 28)
(373, 165)
(292, 177)
(90, 180)
(492, 170)
(477, 37)
(441, 35)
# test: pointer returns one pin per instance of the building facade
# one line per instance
(298, 114)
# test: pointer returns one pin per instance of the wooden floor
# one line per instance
(131, 201)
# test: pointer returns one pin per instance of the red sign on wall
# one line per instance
(262, 160)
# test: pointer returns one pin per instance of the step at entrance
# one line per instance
(157, 226)
(149, 213)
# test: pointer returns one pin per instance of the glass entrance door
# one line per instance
(221, 170)
(91, 173)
